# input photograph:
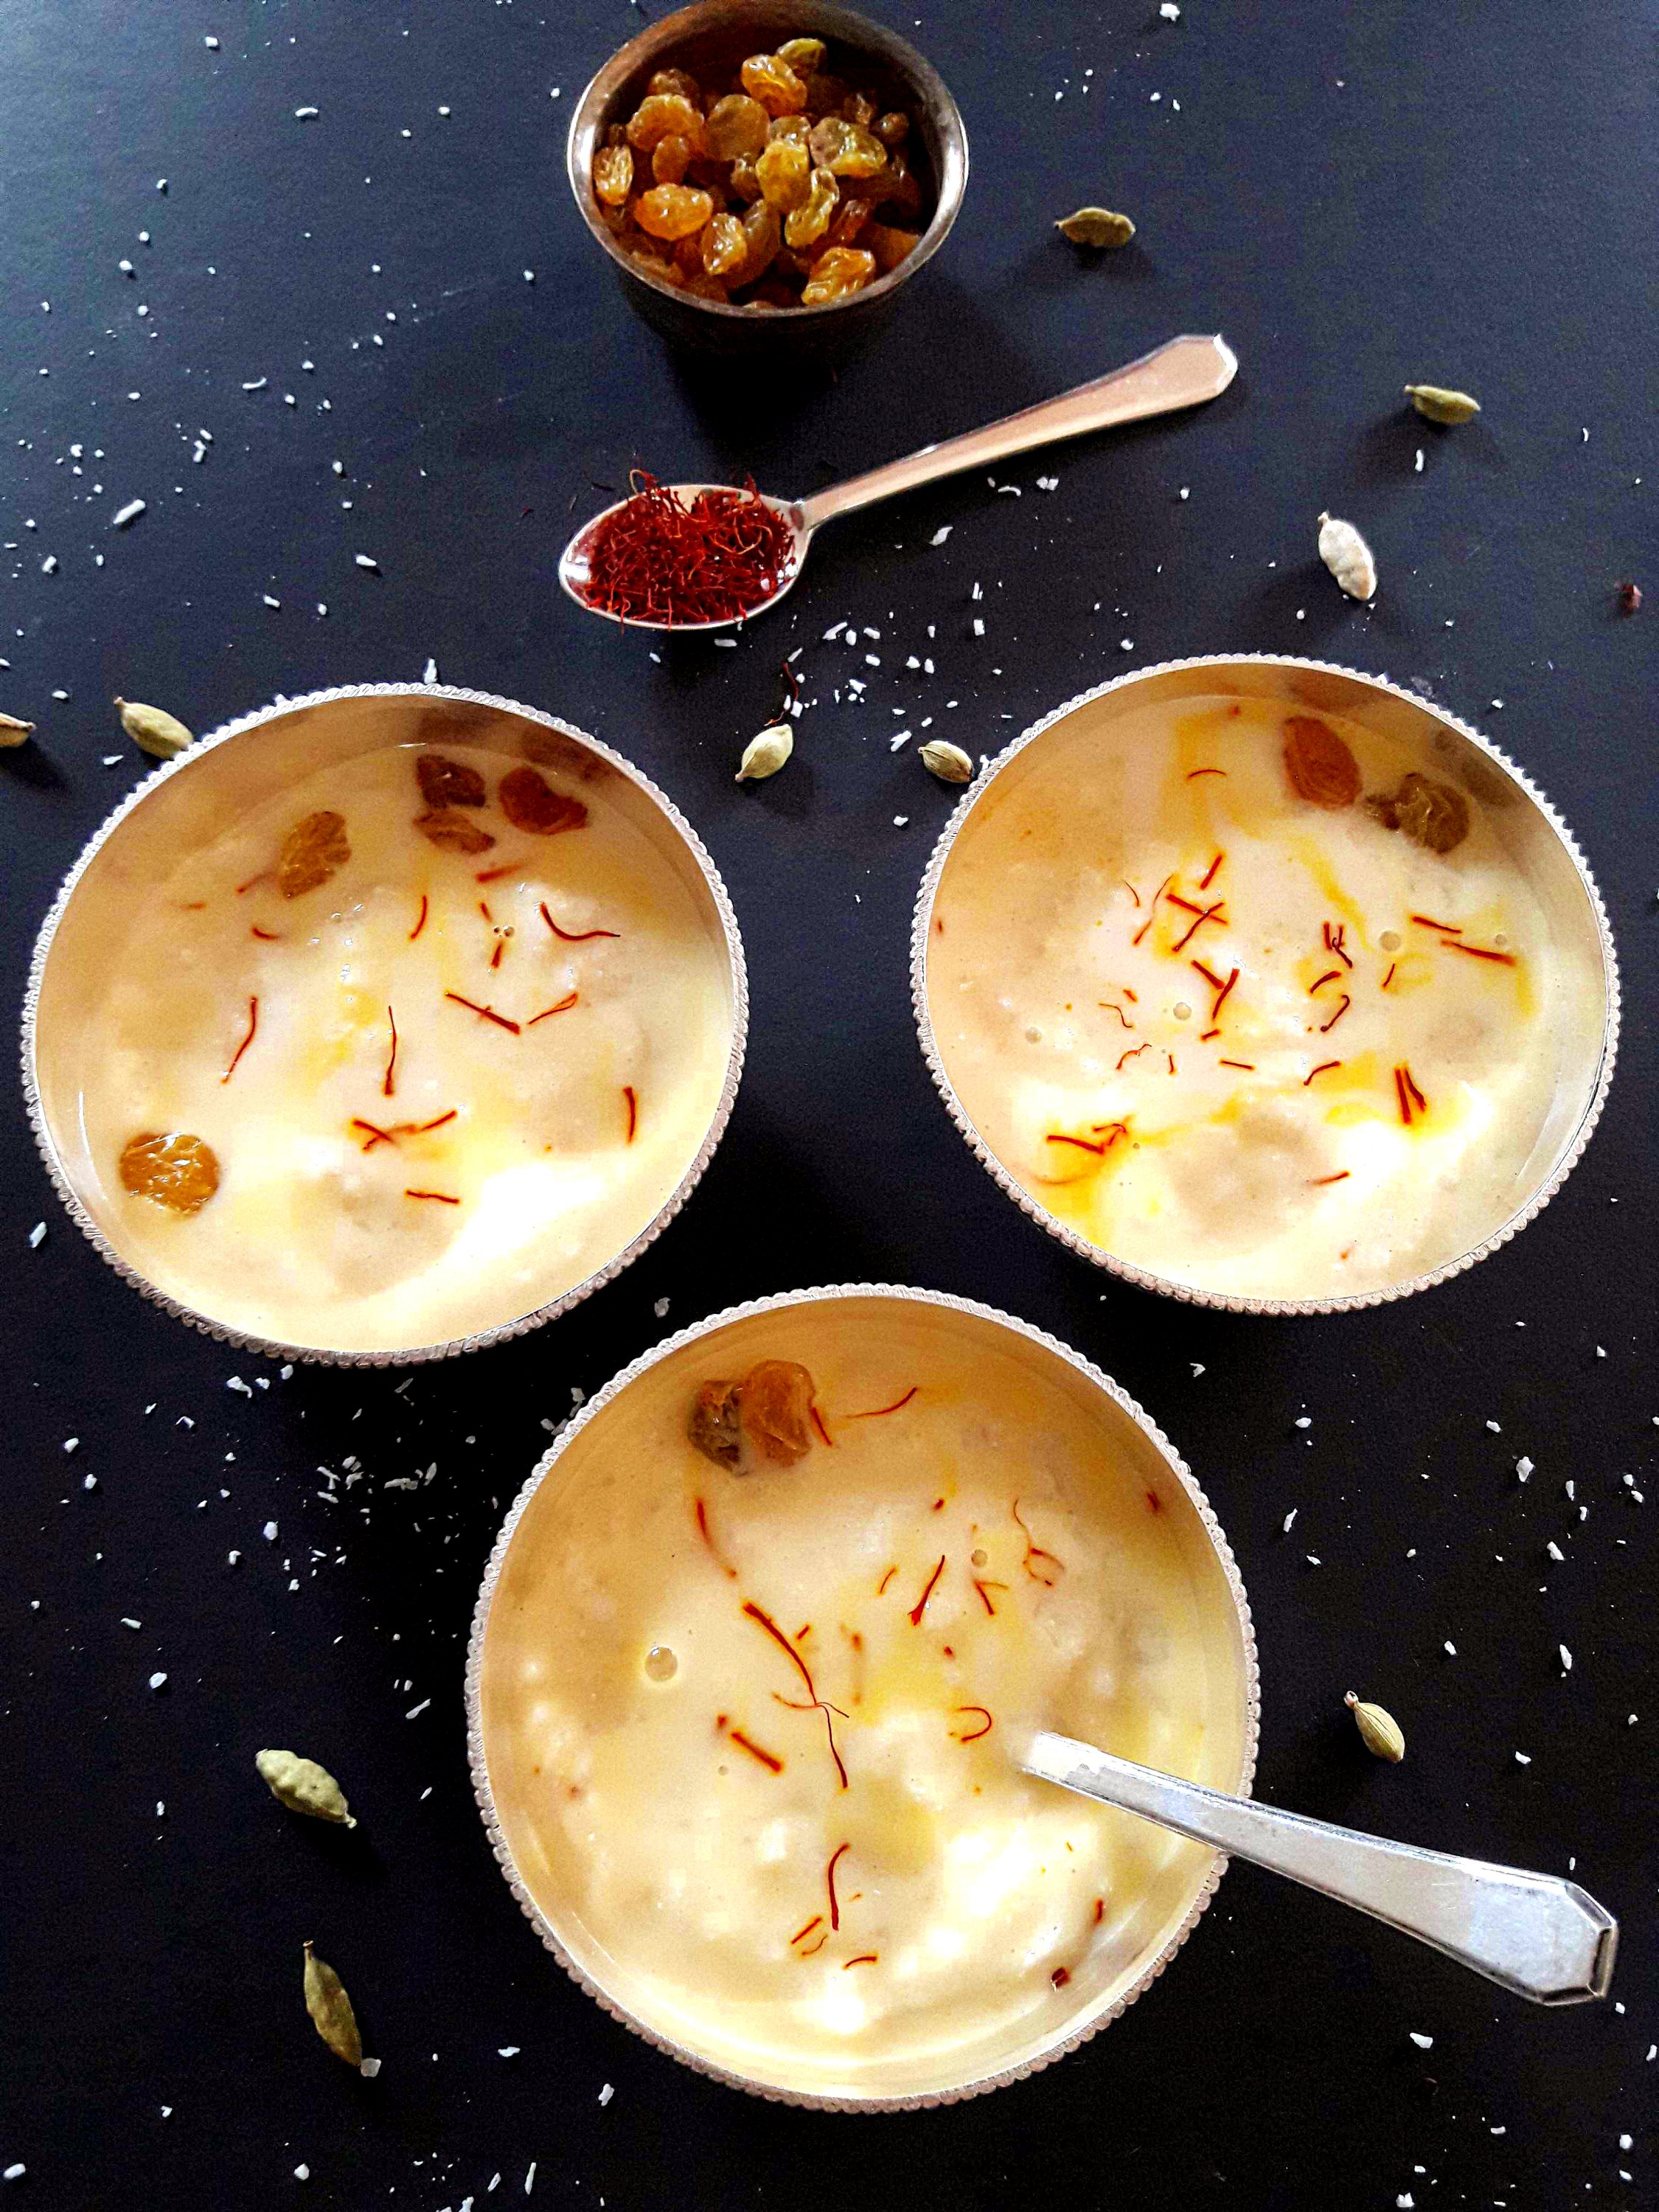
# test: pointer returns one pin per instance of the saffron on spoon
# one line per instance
(660, 558)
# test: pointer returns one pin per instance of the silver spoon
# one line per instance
(1181, 374)
(1540, 1936)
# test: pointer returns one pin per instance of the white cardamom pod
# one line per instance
(303, 1786)
(1379, 1731)
(766, 753)
(153, 729)
(947, 762)
(1347, 556)
(13, 733)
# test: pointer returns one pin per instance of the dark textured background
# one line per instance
(1357, 196)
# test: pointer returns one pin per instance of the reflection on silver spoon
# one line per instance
(1536, 1934)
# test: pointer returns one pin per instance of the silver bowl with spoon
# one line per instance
(1184, 373)
(665, 1884)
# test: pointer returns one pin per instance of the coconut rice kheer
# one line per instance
(762, 1646)
(405, 1052)
(1255, 1001)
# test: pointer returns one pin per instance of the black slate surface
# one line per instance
(1356, 197)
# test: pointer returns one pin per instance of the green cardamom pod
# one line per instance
(158, 733)
(13, 733)
(1097, 226)
(1439, 404)
(1379, 1731)
(330, 2009)
(947, 762)
(304, 1787)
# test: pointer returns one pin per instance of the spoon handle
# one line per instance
(1178, 374)
(1535, 1934)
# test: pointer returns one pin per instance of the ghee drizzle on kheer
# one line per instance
(1250, 1040)
(446, 1045)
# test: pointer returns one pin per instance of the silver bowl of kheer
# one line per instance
(748, 1659)
(384, 1024)
(1266, 984)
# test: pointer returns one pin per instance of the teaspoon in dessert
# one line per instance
(1181, 374)
(1536, 1934)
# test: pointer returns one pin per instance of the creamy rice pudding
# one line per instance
(1252, 998)
(406, 1050)
(761, 1645)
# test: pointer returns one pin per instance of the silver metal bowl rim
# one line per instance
(1068, 2040)
(931, 88)
(504, 1331)
(1144, 1278)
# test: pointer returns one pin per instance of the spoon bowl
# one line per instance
(1183, 373)
(575, 571)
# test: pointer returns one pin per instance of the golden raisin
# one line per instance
(673, 211)
(725, 247)
(774, 1405)
(712, 1426)
(1433, 815)
(451, 832)
(734, 127)
(893, 128)
(824, 93)
(859, 107)
(797, 127)
(807, 223)
(702, 286)
(803, 54)
(745, 185)
(774, 83)
(653, 265)
(613, 174)
(662, 115)
(679, 81)
(762, 234)
(899, 187)
(180, 1173)
(1321, 768)
(850, 220)
(846, 149)
(313, 849)
(449, 783)
(888, 246)
(837, 275)
(784, 170)
(671, 160)
(530, 803)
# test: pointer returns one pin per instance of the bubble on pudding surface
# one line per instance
(1181, 1011)
(1033, 1035)
(980, 1558)
(660, 1663)
(1390, 940)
